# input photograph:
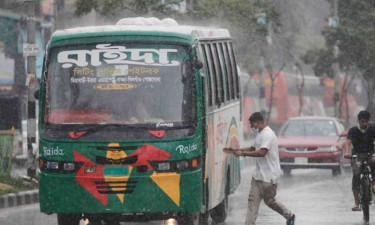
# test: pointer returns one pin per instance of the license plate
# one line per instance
(301, 160)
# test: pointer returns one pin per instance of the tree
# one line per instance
(239, 16)
(111, 8)
(354, 38)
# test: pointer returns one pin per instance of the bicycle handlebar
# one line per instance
(362, 155)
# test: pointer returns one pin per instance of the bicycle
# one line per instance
(365, 195)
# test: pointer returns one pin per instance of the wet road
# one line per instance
(315, 196)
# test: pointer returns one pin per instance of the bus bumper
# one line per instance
(151, 193)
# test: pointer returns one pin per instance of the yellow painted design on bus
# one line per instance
(111, 180)
(170, 184)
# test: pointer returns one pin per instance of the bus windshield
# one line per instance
(120, 83)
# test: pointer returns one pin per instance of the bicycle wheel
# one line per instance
(365, 197)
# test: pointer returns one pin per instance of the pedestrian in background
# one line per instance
(267, 172)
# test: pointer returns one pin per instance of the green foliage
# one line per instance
(354, 37)
(239, 16)
(85, 6)
(323, 59)
(111, 8)
(17, 185)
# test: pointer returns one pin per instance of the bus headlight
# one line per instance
(182, 165)
(52, 165)
(175, 166)
(58, 166)
(164, 166)
(69, 166)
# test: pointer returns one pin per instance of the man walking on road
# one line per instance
(267, 172)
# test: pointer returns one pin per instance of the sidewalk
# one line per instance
(20, 198)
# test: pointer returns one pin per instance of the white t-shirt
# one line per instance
(267, 167)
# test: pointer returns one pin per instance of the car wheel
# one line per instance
(336, 171)
(287, 171)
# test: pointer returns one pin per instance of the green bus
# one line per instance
(133, 120)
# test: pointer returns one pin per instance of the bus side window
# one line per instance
(207, 74)
(230, 70)
(218, 75)
(213, 74)
(223, 66)
(234, 69)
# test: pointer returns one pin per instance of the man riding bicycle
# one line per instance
(362, 137)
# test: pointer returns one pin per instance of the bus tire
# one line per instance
(220, 212)
(95, 222)
(68, 219)
(111, 221)
(203, 218)
(189, 219)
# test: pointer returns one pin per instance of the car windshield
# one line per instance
(309, 128)
(119, 83)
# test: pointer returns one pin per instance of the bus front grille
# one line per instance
(115, 187)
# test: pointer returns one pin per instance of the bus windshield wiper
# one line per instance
(175, 127)
(80, 133)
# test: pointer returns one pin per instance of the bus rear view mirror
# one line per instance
(36, 94)
(198, 64)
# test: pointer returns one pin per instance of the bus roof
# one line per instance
(186, 32)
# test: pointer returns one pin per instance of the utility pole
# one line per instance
(333, 22)
(262, 85)
(262, 20)
(30, 51)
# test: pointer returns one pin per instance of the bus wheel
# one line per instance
(220, 212)
(111, 221)
(203, 218)
(95, 222)
(95, 219)
(189, 219)
(68, 219)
